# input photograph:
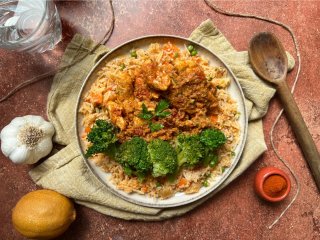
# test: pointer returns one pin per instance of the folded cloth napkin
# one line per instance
(66, 171)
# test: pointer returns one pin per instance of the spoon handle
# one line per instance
(300, 129)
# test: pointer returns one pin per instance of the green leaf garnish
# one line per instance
(162, 105)
(145, 114)
(159, 112)
(163, 114)
(155, 127)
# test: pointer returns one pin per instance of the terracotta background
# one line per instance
(234, 213)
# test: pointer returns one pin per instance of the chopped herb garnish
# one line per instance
(122, 66)
(133, 53)
(159, 112)
(158, 184)
(223, 169)
(162, 105)
(163, 114)
(176, 55)
(154, 127)
(145, 114)
(233, 153)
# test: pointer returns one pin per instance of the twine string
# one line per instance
(40, 77)
(296, 45)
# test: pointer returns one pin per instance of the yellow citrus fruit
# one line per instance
(43, 214)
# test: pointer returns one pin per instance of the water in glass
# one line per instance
(29, 25)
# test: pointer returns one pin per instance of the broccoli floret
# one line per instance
(190, 150)
(133, 156)
(212, 138)
(163, 157)
(103, 138)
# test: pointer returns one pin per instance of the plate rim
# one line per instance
(157, 205)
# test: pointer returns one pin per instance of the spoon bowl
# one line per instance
(268, 57)
(269, 60)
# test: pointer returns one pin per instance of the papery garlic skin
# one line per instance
(25, 140)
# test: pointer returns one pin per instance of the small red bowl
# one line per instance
(262, 175)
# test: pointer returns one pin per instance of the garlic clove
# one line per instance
(32, 157)
(18, 122)
(43, 148)
(47, 128)
(20, 154)
(8, 146)
(8, 132)
(34, 120)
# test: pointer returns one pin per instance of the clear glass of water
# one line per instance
(29, 25)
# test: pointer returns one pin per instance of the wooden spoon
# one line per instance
(269, 61)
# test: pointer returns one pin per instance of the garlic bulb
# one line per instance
(27, 139)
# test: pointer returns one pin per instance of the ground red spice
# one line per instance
(275, 186)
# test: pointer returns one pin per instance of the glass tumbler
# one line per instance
(29, 25)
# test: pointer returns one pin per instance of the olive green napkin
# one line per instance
(66, 171)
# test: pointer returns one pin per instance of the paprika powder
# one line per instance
(275, 186)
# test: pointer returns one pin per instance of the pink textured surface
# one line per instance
(234, 213)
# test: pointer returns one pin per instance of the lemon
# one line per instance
(43, 214)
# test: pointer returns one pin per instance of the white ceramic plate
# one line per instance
(234, 90)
